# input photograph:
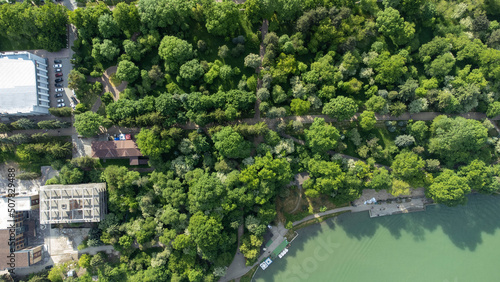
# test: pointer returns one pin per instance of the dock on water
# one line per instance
(397, 207)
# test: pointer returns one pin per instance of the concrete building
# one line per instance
(17, 228)
(72, 203)
(24, 84)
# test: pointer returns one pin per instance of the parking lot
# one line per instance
(66, 68)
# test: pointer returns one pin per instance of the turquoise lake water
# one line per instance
(441, 244)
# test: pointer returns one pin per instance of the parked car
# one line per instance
(57, 66)
(59, 89)
(58, 95)
(59, 79)
(61, 105)
(74, 100)
(58, 70)
(60, 100)
(58, 85)
(57, 61)
(59, 74)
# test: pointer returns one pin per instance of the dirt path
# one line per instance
(300, 178)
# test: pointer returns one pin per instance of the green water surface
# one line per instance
(441, 244)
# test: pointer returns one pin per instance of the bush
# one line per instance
(61, 112)
(404, 140)
(27, 175)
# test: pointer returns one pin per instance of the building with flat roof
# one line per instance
(72, 203)
(18, 230)
(24, 84)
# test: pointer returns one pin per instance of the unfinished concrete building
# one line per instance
(72, 203)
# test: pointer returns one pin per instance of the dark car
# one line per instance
(59, 80)
(57, 61)
(59, 74)
(49, 266)
(58, 95)
(58, 85)
(74, 100)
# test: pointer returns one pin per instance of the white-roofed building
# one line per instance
(24, 84)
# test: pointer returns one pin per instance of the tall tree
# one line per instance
(449, 189)
(321, 137)
(88, 123)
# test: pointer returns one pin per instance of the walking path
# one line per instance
(300, 178)
(262, 52)
(235, 270)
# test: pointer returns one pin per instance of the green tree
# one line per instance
(419, 130)
(389, 68)
(263, 179)
(341, 108)
(480, 177)
(376, 104)
(367, 120)
(252, 61)
(127, 71)
(321, 137)
(493, 109)
(392, 25)
(151, 143)
(175, 52)
(381, 180)
(88, 123)
(191, 70)
(457, 139)
(127, 17)
(108, 26)
(230, 144)
(326, 178)
(399, 187)
(449, 189)
(222, 18)
(409, 167)
(300, 107)
(156, 14)
(441, 66)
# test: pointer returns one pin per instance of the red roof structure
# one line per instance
(115, 149)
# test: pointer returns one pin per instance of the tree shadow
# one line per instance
(464, 225)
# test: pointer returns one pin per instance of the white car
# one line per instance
(59, 89)
(61, 105)
(57, 66)
(60, 100)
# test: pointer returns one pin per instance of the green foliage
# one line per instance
(341, 108)
(408, 167)
(127, 71)
(376, 104)
(321, 137)
(174, 52)
(230, 144)
(326, 178)
(493, 109)
(300, 107)
(222, 18)
(391, 24)
(457, 139)
(44, 26)
(449, 189)
(380, 180)
(88, 123)
(367, 120)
